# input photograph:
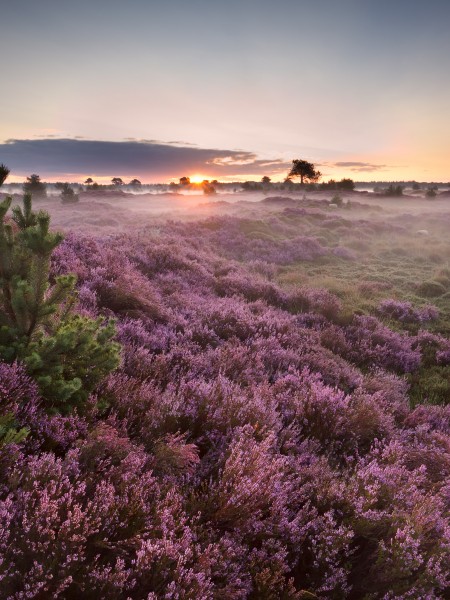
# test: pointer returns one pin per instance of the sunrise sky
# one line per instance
(227, 90)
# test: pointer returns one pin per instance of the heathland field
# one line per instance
(244, 397)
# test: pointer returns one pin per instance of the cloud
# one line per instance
(146, 159)
(243, 160)
(360, 166)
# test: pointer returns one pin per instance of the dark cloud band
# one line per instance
(130, 158)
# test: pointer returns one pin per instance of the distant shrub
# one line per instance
(431, 289)
(68, 195)
(392, 190)
(337, 200)
(344, 253)
(430, 193)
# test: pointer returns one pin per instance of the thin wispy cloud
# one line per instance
(360, 166)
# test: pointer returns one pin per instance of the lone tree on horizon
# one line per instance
(305, 170)
(135, 183)
(185, 180)
(117, 181)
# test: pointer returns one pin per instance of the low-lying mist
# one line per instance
(115, 211)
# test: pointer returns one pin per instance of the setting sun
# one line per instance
(197, 178)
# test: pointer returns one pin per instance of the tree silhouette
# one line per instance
(305, 170)
(33, 185)
(185, 181)
(346, 184)
(4, 172)
(288, 183)
(208, 188)
(135, 183)
(89, 181)
(117, 181)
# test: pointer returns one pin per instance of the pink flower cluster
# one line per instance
(406, 313)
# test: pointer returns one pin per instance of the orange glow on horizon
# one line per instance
(198, 178)
(433, 170)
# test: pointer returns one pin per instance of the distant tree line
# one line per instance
(303, 175)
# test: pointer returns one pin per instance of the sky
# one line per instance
(225, 90)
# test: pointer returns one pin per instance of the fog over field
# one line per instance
(111, 213)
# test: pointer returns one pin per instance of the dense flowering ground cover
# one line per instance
(255, 441)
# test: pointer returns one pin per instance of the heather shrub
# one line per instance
(368, 342)
(29, 429)
(319, 301)
(318, 411)
(390, 391)
(62, 527)
(430, 417)
(412, 541)
(250, 288)
(111, 282)
(263, 268)
(404, 311)
(246, 492)
(75, 254)
(124, 292)
(174, 456)
(19, 399)
(435, 348)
